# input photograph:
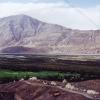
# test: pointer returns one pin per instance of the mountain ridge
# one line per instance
(27, 32)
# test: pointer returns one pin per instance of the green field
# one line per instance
(4, 74)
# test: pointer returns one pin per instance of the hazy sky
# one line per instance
(81, 3)
(80, 14)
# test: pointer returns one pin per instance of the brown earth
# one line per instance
(35, 90)
(90, 84)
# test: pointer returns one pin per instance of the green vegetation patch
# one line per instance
(40, 74)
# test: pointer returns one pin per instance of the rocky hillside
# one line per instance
(24, 34)
(36, 90)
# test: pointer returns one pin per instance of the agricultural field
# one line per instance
(15, 67)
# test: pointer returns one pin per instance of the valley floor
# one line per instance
(83, 78)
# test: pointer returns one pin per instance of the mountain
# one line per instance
(24, 34)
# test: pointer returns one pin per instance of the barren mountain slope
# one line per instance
(24, 34)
